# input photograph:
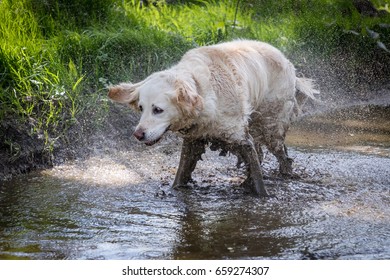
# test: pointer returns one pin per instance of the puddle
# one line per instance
(119, 205)
(364, 129)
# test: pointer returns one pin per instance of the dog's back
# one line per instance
(246, 69)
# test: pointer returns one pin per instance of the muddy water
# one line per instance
(118, 205)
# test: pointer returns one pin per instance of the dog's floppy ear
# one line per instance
(125, 93)
(187, 99)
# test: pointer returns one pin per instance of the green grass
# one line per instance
(58, 56)
(35, 86)
(203, 22)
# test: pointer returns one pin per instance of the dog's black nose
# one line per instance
(139, 134)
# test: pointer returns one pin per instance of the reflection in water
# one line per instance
(121, 207)
(79, 221)
(229, 229)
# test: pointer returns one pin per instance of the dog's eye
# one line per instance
(140, 108)
(157, 110)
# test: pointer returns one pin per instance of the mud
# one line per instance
(119, 205)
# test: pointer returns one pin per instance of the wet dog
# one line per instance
(237, 95)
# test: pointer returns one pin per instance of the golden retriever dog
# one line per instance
(237, 96)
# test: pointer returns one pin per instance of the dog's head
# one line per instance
(166, 102)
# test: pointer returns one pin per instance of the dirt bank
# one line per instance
(22, 151)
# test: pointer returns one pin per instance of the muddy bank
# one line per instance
(22, 151)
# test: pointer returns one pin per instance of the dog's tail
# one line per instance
(305, 90)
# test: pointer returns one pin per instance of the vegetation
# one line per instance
(58, 56)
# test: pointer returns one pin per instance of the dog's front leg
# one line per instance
(247, 150)
(191, 152)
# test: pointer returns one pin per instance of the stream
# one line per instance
(119, 204)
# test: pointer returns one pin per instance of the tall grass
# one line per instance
(203, 22)
(34, 85)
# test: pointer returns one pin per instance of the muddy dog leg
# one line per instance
(191, 152)
(287, 169)
(279, 150)
(273, 137)
(259, 151)
(247, 151)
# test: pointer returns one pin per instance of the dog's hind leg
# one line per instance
(273, 136)
(259, 151)
(191, 152)
(279, 150)
(247, 151)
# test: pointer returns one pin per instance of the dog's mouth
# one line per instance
(151, 143)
